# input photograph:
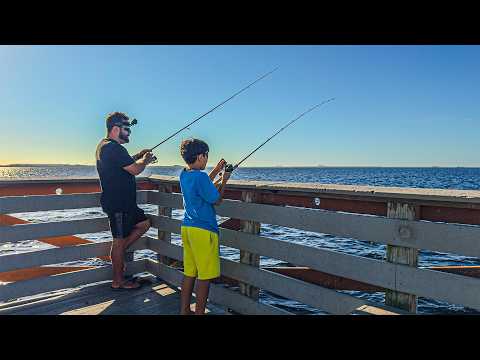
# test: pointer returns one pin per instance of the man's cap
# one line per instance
(118, 119)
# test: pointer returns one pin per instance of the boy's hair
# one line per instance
(191, 148)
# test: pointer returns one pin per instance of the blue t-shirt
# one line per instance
(199, 195)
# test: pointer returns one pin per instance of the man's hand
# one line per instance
(221, 164)
(148, 157)
(141, 153)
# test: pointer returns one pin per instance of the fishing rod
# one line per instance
(214, 108)
(230, 167)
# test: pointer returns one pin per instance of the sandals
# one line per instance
(124, 286)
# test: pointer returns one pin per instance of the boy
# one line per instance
(201, 258)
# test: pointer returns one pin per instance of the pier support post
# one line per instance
(251, 227)
(402, 255)
(164, 235)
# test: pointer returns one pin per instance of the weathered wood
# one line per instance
(375, 272)
(16, 204)
(313, 295)
(61, 255)
(52, 229)
(165, 211)
(323, 279)
(247, 257)
(359, 191)
(156, 298)
(218, 294)
(453, 238)
(42, 285)
(48, 186)
(402, 255)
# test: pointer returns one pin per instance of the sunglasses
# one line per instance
(125, 127)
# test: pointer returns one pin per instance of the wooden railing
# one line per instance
(406, 220)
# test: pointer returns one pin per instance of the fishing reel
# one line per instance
(229, 168)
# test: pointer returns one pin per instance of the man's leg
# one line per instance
(201, 295)
(186, 295)
(137, 232)
(116, 254)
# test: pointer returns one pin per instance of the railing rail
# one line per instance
(370, 224)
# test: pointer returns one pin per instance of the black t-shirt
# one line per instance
(119, 189)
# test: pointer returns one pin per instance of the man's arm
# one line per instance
(138, 166)
(140, 154)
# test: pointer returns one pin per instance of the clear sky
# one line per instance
(395, 105)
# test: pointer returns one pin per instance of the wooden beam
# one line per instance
(247, 257)
(402, 255)
(323, 279)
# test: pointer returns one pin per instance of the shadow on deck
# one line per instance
(154, 298)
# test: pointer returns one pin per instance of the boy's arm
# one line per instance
(221, 186)
(213, 174)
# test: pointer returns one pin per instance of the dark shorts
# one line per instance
(122, 223)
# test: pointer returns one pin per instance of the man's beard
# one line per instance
(123, 137)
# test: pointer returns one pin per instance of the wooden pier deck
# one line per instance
(155, 297)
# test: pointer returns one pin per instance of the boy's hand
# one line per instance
(221, 164)
(226, 176)
(213, 174)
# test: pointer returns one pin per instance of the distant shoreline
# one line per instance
(263, 167)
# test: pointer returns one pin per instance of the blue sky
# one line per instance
(395, 105)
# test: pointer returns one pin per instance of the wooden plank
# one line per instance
(56, 241)
(402, 255)
(313, 295)
(218, 294)
(164, 211)
(31, 203)
(247, 257)
(370, 271)
(321, 202)
(42, 285)
(38, 272)
(452, 288)
(453, 238)
(52, 229)
(100, 299)
(58, 256)
(366, 192)
(323, 279)
(472, 271)
(48, 186)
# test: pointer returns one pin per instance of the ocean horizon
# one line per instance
(460, 178)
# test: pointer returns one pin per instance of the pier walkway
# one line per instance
(155, 297)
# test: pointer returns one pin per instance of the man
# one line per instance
(117, 170)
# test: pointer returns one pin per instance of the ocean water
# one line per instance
(442, 178)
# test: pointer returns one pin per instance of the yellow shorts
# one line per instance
(201, 253)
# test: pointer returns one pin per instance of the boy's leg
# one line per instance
(186, 295)
(201, 295)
